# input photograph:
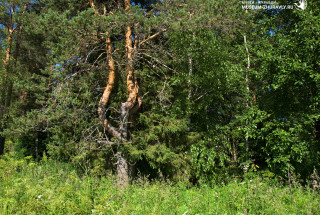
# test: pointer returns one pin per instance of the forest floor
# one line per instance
(50, 187)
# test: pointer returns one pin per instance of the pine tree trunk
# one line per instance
(132, 103)
(248, 90)
(133, 88)
(122, 170)
(189, 90)
(36, 146)
(190, 70)
(7, 84)
(234, 152)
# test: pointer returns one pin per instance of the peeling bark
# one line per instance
(134, 99)
(132, 84)
(133, 90)
(106, 94)
(137, 106)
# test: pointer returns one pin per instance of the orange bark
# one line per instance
(107, 91)
(6, 93)
(6, 61)
(10, 32)
(106, 94)
(92, 6)
(132, 84)
(8, 51)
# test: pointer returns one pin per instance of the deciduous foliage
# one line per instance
(185, 90)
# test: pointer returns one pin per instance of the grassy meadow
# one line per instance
(50, 187)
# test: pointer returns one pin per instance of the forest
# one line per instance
(159, 107)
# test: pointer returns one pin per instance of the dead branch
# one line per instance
(152, 36)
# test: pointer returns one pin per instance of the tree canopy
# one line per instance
(186, 90)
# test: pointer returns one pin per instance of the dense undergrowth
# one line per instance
(50, 187)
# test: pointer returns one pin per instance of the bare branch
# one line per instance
(146, 14)
(152, 36)
(113, 143)
(158, 61)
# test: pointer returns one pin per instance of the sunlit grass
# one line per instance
(56, 188)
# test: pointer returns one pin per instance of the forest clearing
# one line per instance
(159, 107)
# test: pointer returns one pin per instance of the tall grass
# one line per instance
(51, 187)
